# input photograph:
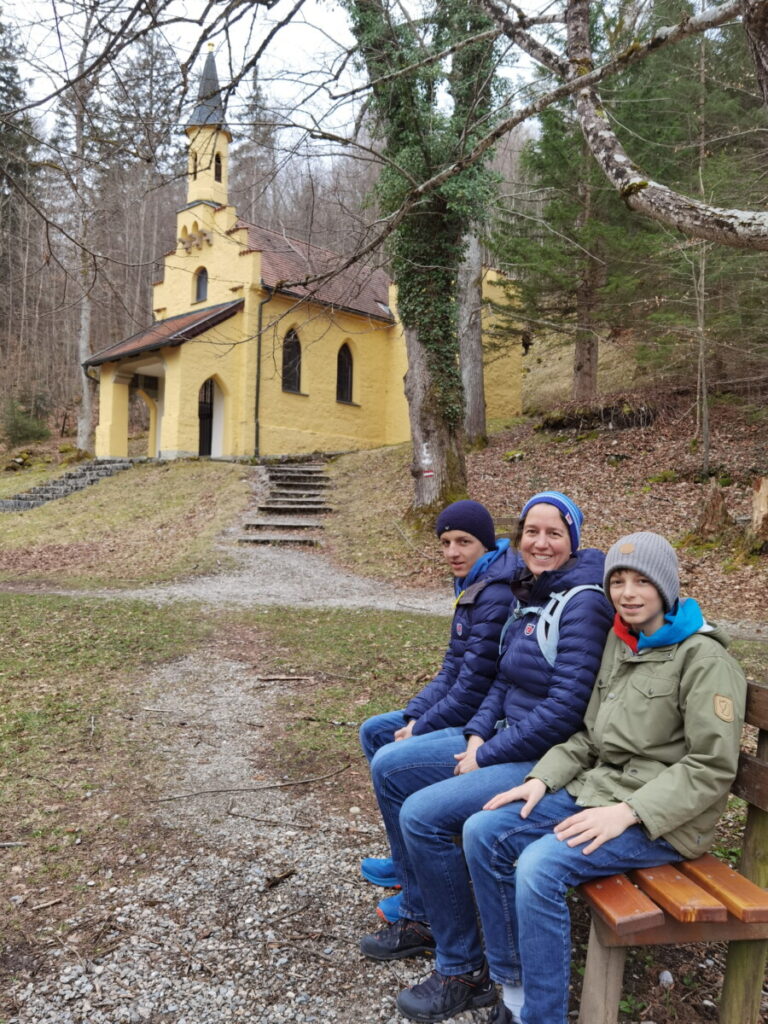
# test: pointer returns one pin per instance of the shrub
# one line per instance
(19, 426)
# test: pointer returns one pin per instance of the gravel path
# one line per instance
(299, 577)
(254, 914)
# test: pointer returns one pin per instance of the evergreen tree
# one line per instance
(589, 269)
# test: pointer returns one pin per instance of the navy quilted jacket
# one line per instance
(542, 704)
(469, 666)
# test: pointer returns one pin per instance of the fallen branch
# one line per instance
(50, 903)
(253, 789)
(5, 846)
(280, 679)
(278, 824)
(274, 880)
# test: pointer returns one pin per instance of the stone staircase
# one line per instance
(78, 479)
(292, 512)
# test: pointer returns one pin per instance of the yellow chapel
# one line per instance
(240, 361)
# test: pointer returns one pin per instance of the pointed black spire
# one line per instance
(210, 106)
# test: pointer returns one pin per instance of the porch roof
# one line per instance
(173, 331)
(358, 289)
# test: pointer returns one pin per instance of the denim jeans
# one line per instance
(520, 874)
(436, 883)
(378, 730)
(401, 767)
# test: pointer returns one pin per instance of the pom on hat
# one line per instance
(650, 555)
(471, 517)
(568, 509)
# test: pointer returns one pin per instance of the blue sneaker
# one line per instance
(379, 871)
(389, 909)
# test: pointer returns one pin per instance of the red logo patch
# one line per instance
(529, 629)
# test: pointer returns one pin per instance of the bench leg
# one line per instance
(743, 984)
(602, 982)
(603, 979)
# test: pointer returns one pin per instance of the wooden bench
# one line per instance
(700, 900)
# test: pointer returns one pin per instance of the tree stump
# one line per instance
(758, 533)
(715, 520)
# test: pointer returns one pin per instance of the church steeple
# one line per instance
(209, 140)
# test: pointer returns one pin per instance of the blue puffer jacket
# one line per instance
(542, 704)
(469, 666)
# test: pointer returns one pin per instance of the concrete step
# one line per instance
(291, 508)
(277, 538)
(283, 523)
(280, 493)
(290, 484)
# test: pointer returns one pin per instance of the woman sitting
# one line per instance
(549, 656)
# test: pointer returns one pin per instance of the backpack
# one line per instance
(548, 626)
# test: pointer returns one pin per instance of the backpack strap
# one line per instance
(548, 626)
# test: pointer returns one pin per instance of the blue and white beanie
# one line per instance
(568, 509)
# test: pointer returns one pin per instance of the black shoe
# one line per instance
(502, 1015)
(401, 939)
(444, 995)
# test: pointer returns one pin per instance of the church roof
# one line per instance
(210, 106)
(173, 331)
(357, 288)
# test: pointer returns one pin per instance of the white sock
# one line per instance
(512, 997)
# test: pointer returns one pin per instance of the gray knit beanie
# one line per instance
(649, 554)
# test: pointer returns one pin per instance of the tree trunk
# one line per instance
(584, 388)
(438, 466)
(85, 410)
(470, 328)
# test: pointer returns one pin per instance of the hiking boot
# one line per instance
(502, 1015)
(441, 996)
(389, 909)
(379, 871)
(399, 940)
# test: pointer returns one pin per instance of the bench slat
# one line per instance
(621, 904)
(744, 899)
(751, 783)
(678, 894)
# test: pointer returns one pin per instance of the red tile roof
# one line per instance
(173, 331)
(285, 260)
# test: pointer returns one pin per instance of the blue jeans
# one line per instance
(402, 767)
(436, 884)
(520, 874)
(378, 730)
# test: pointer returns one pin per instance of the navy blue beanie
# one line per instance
(471, 517)
(568, 509)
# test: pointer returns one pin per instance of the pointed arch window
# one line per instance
(217, 167)
(292, 363)
(201, 285)
(344, 374)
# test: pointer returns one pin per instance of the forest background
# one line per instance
(428, 138)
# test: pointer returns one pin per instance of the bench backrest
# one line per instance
(751, 784)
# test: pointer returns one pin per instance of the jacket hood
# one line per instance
(684, 620)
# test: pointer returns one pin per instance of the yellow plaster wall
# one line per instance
(230, 270)
(313, 420)
(111, 438)
(502, 363)
(219, 353)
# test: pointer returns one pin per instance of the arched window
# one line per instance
(291, 362)
(217, 168)
(344, 374)
(201, 285)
